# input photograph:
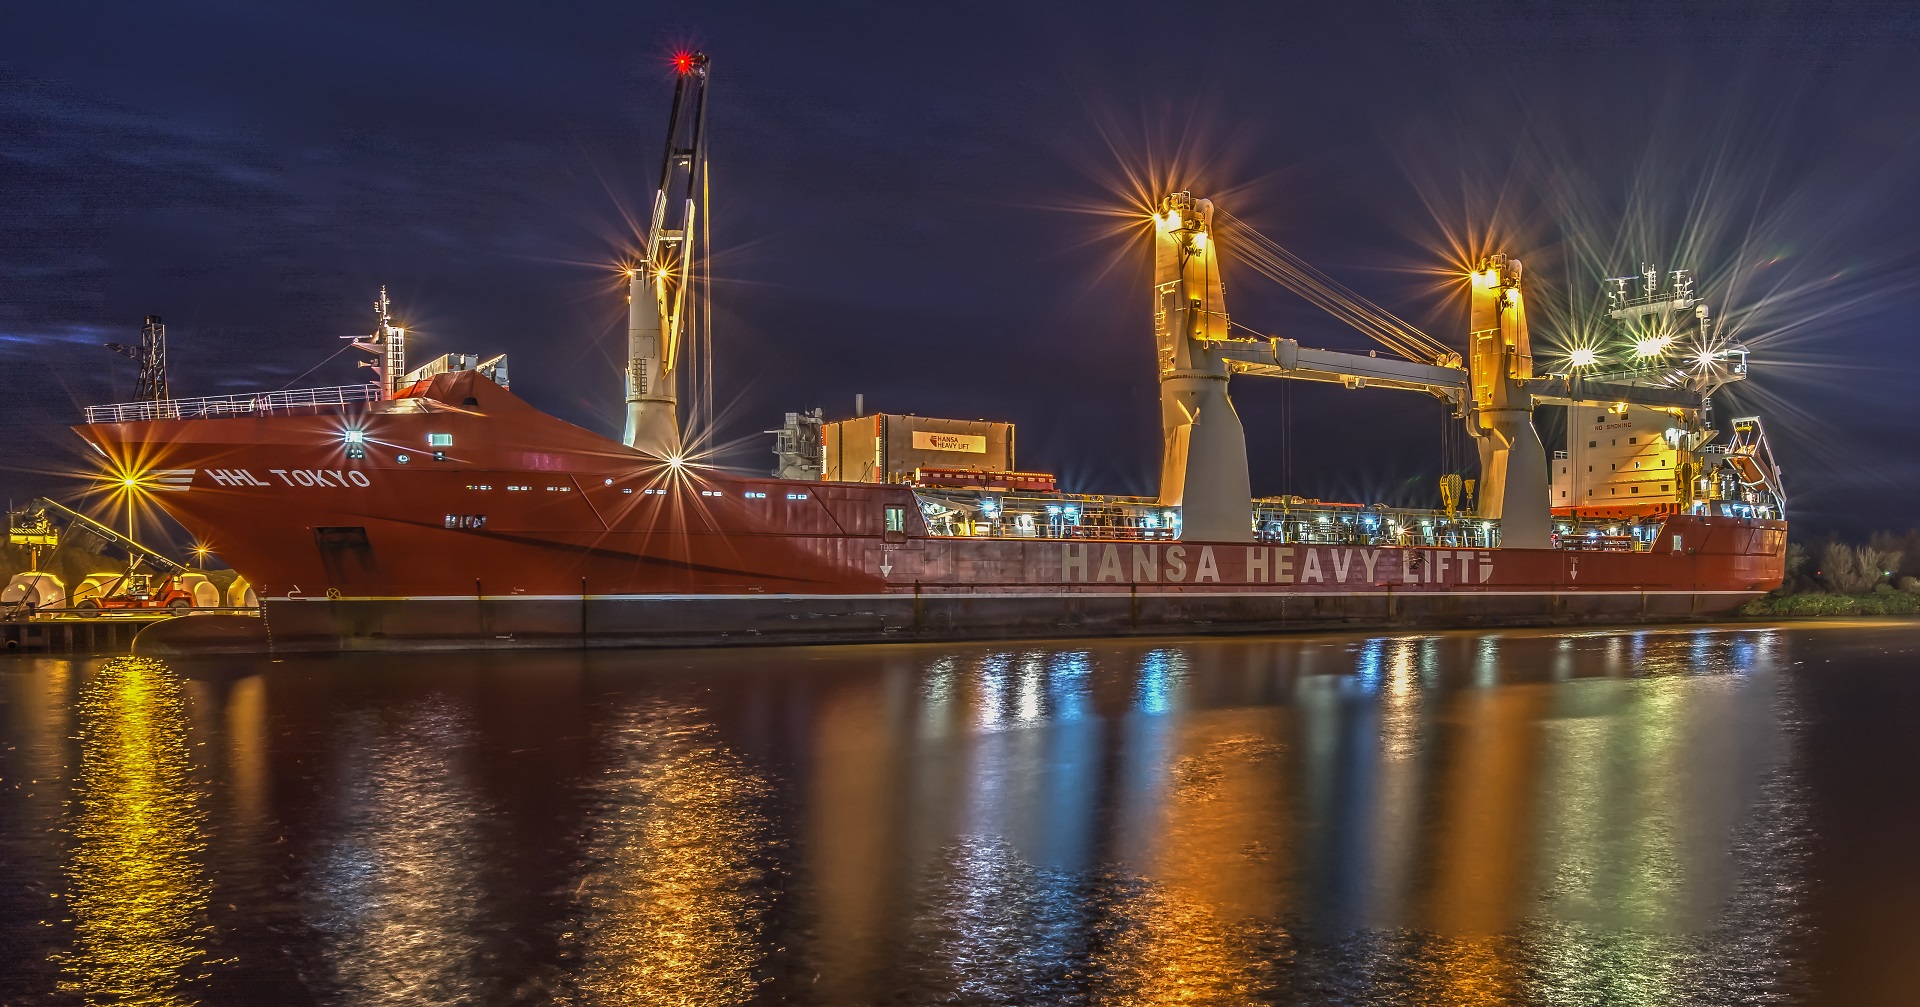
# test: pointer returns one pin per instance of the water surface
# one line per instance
(1714, 816)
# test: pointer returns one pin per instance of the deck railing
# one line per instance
(243, 404)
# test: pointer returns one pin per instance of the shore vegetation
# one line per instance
(1880, 576)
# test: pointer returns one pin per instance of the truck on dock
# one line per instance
(152, 581)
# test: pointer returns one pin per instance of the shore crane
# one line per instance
(133, 588)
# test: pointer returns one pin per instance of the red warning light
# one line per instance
(683, 63)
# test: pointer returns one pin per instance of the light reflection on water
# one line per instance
(670, 900)
(398, 892)
(1446, 818)
(138, 890)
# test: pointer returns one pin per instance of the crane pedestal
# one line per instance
(1204, 468)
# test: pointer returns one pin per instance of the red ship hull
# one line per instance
(474, 520)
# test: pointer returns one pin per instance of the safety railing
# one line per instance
(243, 404)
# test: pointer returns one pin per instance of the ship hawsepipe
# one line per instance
(470, 520)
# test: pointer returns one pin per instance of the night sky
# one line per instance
(935, 211)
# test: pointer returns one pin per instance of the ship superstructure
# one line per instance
(438, 509)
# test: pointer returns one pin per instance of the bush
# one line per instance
(1856, 569)
(1878, 603)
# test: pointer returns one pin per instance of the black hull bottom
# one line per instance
(454, 624)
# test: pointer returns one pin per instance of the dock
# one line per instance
(69, 632)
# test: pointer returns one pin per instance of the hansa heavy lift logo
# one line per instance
(301, 478)
(1098, 563)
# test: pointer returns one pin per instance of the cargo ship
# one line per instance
(433, 508)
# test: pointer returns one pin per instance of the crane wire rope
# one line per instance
(1269, 259)
(1286, 438)
(700, 313)
(315, 367)
(705, 264)
(706, 279)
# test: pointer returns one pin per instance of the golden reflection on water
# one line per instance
(137, 889)
(852, 827)
(1483, 835)
(670, 906)
(246, 734)
(1216, 869)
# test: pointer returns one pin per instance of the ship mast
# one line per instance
(151, 386)
(660, 312)
(388, 344)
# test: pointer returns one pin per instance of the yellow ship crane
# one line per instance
(1493, 389)
(661, 312)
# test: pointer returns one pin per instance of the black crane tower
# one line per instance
(152, 356)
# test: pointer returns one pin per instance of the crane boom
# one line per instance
(658, 316)
(135, 550)
(1286, 358)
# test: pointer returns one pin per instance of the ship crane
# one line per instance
(660, 313)
(1493, 388)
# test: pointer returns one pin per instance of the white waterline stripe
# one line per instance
(925, 595)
